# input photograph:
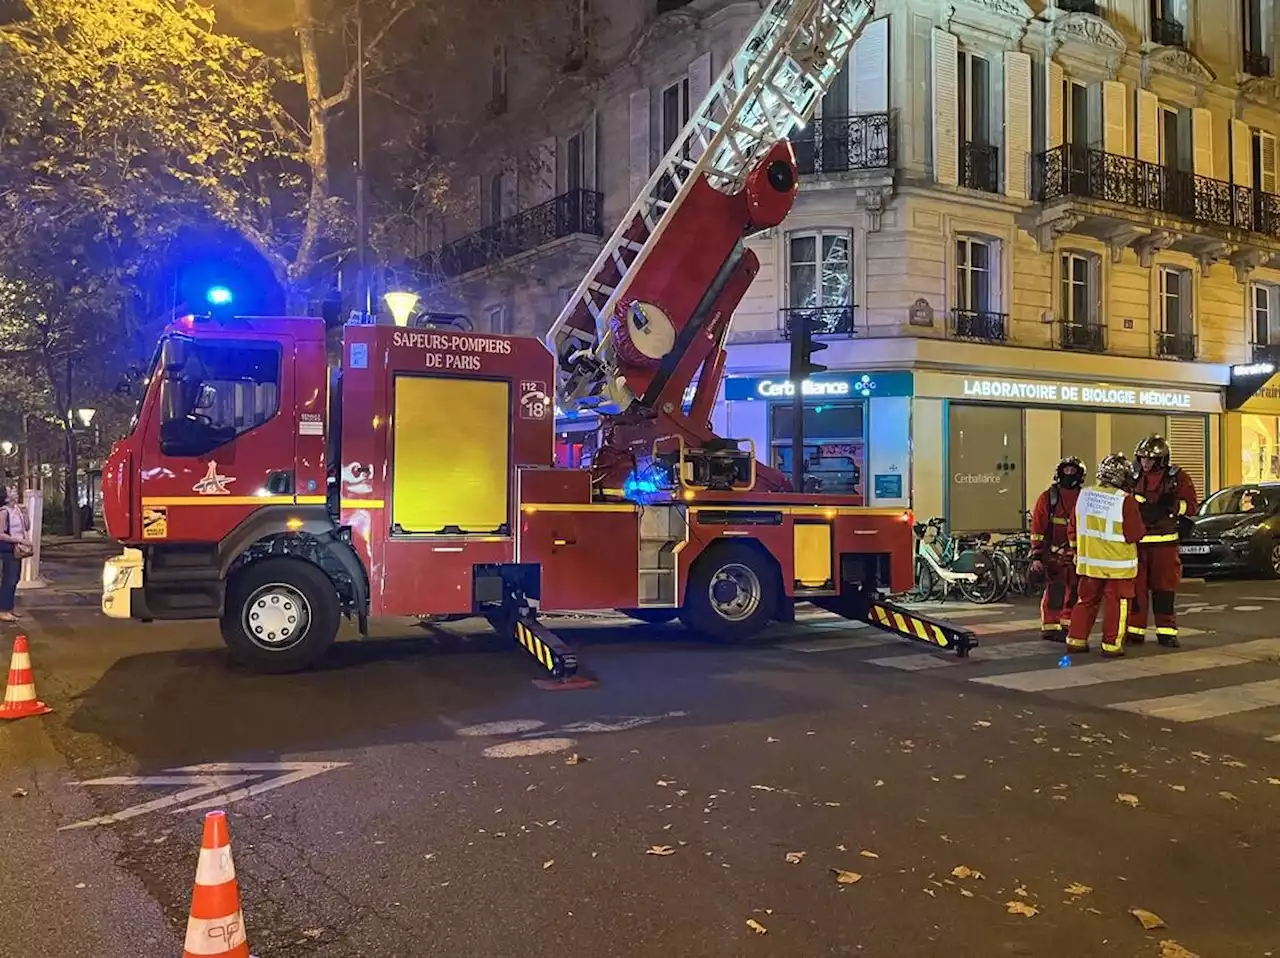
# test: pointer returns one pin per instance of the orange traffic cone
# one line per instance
(216, 925)
(20, 694)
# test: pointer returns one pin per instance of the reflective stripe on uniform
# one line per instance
(1059, 521)
(1164, 537)
(1182, 507)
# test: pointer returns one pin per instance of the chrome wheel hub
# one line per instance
(276, 617)
(735, 592)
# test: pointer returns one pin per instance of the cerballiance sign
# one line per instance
(1073, 393)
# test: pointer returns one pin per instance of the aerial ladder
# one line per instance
(653, 312)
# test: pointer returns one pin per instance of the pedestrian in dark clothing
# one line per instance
(14, 547)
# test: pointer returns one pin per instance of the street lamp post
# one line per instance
(401, 305)
(362, 226)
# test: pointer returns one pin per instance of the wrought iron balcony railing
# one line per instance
(980, 167)
(825, 320)
(1176, 345)
(980, 325)
(1092, 174)
(838, 144)
(1257, 63)
(1078, 6)
(578, 211)
(1088, 337)
(1166, 32)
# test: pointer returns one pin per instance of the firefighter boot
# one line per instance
(1077, 645)
(1166, 622)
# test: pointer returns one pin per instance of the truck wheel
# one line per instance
(732, 593)
(281, 616)
(652, 616)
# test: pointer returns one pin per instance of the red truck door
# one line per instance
(222, 444)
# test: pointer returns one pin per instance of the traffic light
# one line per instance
(803, 347)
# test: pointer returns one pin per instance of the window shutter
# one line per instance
(1186, 443)
(542, 178)
(1202, 141)
(1148, 110)
(1241, 153)
(946, 107)
(639, 152)
(1054, 79)
(870, 72)
(589, 154)
(1017, 122)
(1115, 118)
(699, 87)
(1267, 157)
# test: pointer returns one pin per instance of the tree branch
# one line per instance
(349, 81)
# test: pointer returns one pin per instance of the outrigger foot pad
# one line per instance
(550, 652)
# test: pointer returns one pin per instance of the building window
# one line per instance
(835, 444)
(1260, 448)
(573, 163)
(1265, 307)
(498, 84)
(1168, 22)
(499, 318)
(974, 262)
(1079, 285)
(1175, 152)
(1076, 126)
(986, 470)
(675, 112)
(821, 272)
(493, 205)
(1176, 336)
(1255, 43)
(975, 99)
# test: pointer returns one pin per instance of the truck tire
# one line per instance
(732, 593)
(652, 616)
(281, 616)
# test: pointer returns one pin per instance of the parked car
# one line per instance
(1237, 530)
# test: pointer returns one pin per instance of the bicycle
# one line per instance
(1016, 550)
(943, 562)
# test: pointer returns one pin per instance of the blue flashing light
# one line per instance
(219, 296)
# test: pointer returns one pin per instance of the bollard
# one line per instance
(34, 501)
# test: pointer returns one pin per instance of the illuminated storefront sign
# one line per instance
(1074, 393)
(830, 386)
(768, 389)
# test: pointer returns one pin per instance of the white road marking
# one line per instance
(1261, 598)
(842, 644)
(1170, 663)
(621, 724)
(1213, 703)
(1247, 608)
(204, 780)
(509, 727)
(530, 747)
(998, 653)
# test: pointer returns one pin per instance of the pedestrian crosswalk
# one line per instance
(1215, 680)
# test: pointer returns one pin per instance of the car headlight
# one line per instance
(1242, 532)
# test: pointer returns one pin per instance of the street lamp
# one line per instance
(6, 448)
(86, 416)
(401, 305)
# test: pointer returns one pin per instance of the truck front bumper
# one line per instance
(121, 579)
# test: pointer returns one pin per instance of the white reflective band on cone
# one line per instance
(214, 936)
(215, 866)
(20, 660)
(20, 693)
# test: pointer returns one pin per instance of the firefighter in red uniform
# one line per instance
(1165, 495)
(1050, 557)
(1104, 530)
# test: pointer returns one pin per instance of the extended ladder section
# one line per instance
(768, 90)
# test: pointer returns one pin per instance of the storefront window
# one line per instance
(986, 468)
(835, 444)
(1128, 429)
(1080, 437)
(1261, 458)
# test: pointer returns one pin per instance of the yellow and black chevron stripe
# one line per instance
(910, 626)
(539, 649)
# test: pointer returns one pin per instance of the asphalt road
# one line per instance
(446, 814)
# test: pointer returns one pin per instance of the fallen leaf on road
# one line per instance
(846, 878)
(81, 885)
(959, 778)
(764, 788)
(1233, 763)
(964, 871)
(1020, 892)
(758, 928)
(981, 724)
(1171, 949)
(930, 892)
(1127, 799)
(19, 793)
(574, 759)
(795, 858)
(1075, 888)
(1149, 919)
(548, 863)
(832, 804)
(770, 740)
(1178, 788)
(682, 792)
(1229, 796)
(866, 854)
(841, 848)
(879, 783)
(661, 783)
(1201, 755)
(1273, 781)
(1021, 908)
(966, 893)
(1059, 798)
(313, 933)
(660, 850)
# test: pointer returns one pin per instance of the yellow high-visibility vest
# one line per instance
(1101, 552)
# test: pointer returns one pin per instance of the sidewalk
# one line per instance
(73, 570)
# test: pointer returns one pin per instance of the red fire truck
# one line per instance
(261, 489)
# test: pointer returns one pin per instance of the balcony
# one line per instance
(981, 326)
(1089, 337)
(980, 167)
(1256, 63)
(577, 212)
(841, 144)
(1166, 32)
(1078, 6)
(825, 320)
(1176, 345)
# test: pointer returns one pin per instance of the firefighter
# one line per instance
(1104, 531)
(1050, 557)
(1165, 495)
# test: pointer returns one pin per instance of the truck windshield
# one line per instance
(140, 389)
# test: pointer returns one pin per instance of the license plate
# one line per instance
(1194, 550)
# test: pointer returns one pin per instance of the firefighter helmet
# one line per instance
(1153, 447)
(1114, 471)
(1070, 482)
